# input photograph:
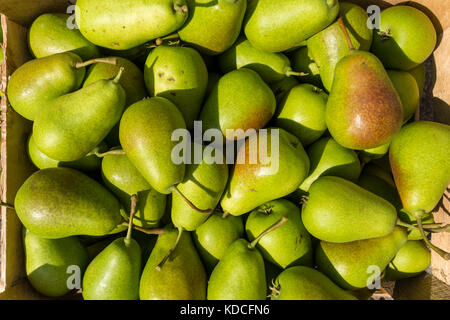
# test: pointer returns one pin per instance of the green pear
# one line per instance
(214, 237)
(368, 155)
(48, 262)
(123, 179)
(406, 38)
(88, 163)
(114, 274)
(178, 74)
(273, 176)
(411, 260)
(239, 275)
(50, 34)
(107, 23)
(301, 61)
(287, 246)
(328, 158)
(145, 134)
(329, 46)
(419, 74)
(303, 283)
(276, 26)
(364, 110)
(60, 202)
(408, 91)
(282, 88)
(353, 265)
(29, 95)
(302, 113)
(182, 277)
(213, 27)
(339, 211)
(204, 185)
(240, 100)
(272, 67)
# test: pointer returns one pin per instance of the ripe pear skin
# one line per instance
(203, 185)
(72, 125)
(328, 158)
(49, 34)
(182, 277)
(405, 39)
(420, 162)
(364, 110)
(349, 265)
(47, 262)
(88, 163)
(303, 283)
(329, 46)
(145, 135)
(123, 179)
(408, 91)
(301, 19)
(252, 185)
(339, 211)
(286, 246)
(107, 23)
(240, 100)
(272, 67)
(301, 61)
(29, 95)
(60, 202)
(302, 113)
(239, 275)
(178, 74)
(213, 27)
(215, 235)
(114, 273)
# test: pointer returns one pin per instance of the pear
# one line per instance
(272, 67)
(302, 113)
(123, 179)
(303, 283)
(47, 262)
(272, 176)
(301, 61)
(145, 134)
(283, 87)
(213, 27)
(107, 23)
(364, 110)
(178, 74)
(214, 237)
(419, 74)
(406, 38)
(408, 91)
(182, 277)
(60, 202)
(287, 246)
(88, 163)
(329, 46)
(301, 19)
(328, 158)
(352, 265)
(49, 34)
(73, 124)
(204, 185)
(28, 94)
(411, 260)
(114, 274)
(339, 211)
(368, 155)
(240, 100)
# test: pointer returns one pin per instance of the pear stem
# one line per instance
(175, 189)
(225, 215)
(282, 221)
(7, 205)
(132, 212)
(112, 61)
(109, 153)
(167, 256)
(439, 251)
(295, 73)
(158, 231)
(173, 36)
(119, 75)
(344, 29)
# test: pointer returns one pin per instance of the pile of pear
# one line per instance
(357, 178)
